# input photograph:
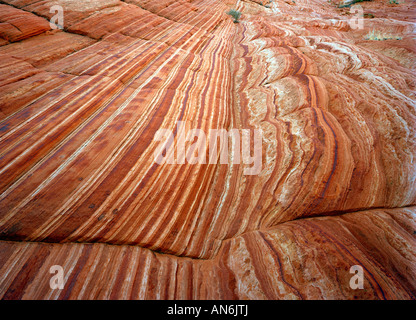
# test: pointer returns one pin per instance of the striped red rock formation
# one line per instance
(16, 25)
(303, 259)
(79, 187)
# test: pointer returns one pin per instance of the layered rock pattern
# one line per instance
(16, 25)
(79, 187)
(285, 262)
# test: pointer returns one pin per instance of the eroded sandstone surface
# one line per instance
(79, 187)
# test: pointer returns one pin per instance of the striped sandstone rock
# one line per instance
(79, 187)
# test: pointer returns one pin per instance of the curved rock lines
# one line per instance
(337, 139)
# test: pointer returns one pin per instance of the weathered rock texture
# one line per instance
(79, 187)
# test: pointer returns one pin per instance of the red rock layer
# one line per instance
(120, 92)
(16, 25)
(304, 259)
(79, 110)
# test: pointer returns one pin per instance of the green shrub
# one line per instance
(235, 14)
(377, 35)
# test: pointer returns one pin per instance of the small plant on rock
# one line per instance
(235, 14)
(379, 36)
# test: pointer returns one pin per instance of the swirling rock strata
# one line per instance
(78, 120)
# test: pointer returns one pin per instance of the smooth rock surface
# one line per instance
(16, 25)
(79, 187)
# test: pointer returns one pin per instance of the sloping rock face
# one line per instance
(79, 186)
